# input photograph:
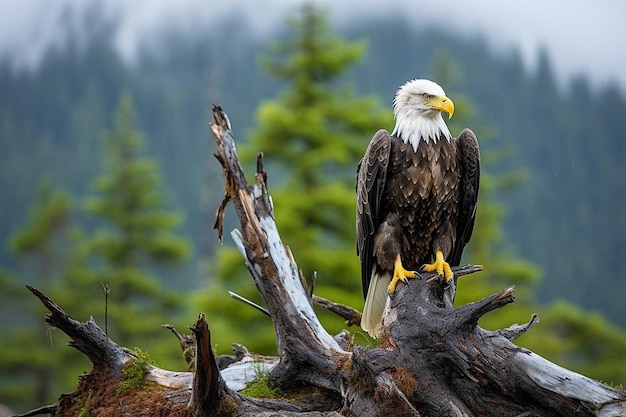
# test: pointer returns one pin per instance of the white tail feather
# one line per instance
(375, 301)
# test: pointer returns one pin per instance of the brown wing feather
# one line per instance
(371, 178)
(470, 179)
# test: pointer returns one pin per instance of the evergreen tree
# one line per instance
(36, 374)
(312, 137)
(135, 240)
(315, 133)
(39, 239)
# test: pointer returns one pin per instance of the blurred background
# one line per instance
(109, 187)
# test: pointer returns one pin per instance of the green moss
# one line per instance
(189, 354)
(261, 386)
(134, 372)
(84, 411)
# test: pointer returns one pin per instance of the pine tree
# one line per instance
(39, 239)
(135, 240)
(315, 132)
(42, 245)
(312, 137)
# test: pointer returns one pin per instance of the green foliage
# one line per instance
(84, 411)
(129, 197)
(261, 386)
(48, 217)
(315, 132)
(134, 372)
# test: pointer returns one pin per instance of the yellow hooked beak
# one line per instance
(441, 103)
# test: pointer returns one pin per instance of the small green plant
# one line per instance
(189, 353)
(84, 411)
(261, 386)
(134, 371)
(613, 385)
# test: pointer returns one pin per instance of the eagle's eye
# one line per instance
(427, 96)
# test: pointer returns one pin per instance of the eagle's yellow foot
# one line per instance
(400, 274)
(440, 266)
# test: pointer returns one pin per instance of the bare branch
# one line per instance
(46, 409)
(86, 337)
(248, 302)
(516, 330)
(352, 316)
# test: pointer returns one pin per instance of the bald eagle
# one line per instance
(417, 191)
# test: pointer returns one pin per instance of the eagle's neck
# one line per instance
(415, 127)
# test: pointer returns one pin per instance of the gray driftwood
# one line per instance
(431, 361)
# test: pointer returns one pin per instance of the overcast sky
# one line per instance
(582, 36)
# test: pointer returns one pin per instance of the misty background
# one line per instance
(580, 37)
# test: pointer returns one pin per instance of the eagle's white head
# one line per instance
(417, 109)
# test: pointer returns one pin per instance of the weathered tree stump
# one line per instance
(432, 360)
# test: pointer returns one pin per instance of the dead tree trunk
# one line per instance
(431, 360)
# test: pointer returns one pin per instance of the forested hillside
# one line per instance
(567, 217)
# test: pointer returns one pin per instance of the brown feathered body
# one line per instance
(422, 193)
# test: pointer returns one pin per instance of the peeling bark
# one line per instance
(432, 360)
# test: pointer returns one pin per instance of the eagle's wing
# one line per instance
(370, 184)
(470, 178)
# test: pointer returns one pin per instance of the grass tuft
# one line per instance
(134, 372)
(261, 386)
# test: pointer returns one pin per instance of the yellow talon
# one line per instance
(400, 274)
(440, 266)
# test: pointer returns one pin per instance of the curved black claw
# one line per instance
(439, 277)
(416, 275)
